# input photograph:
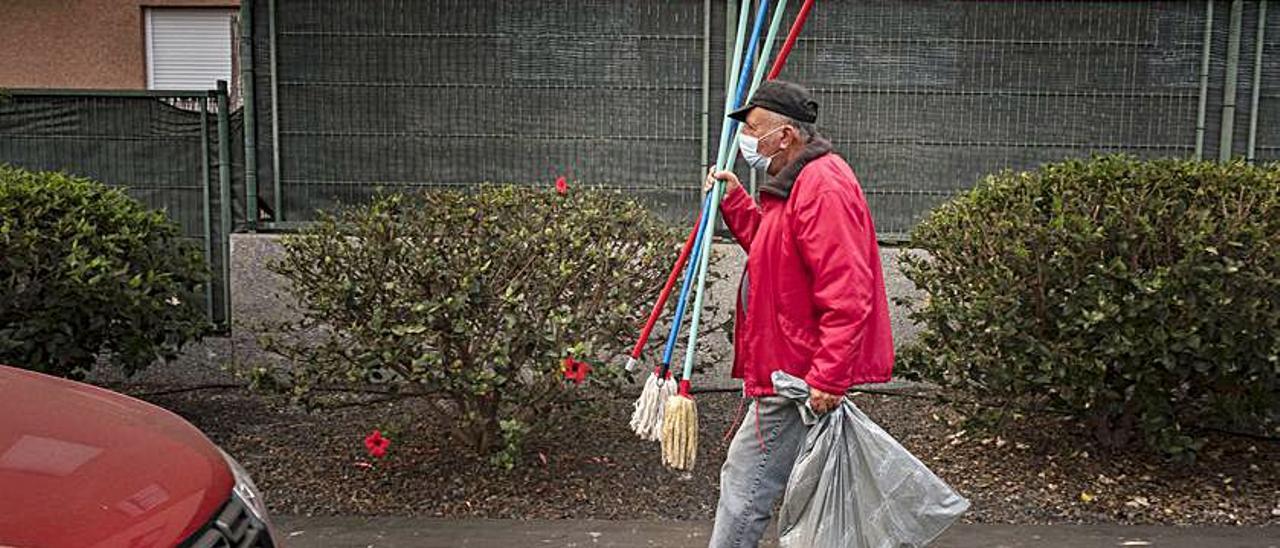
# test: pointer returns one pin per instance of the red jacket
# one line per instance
(815, 303)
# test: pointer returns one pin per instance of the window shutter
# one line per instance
(188, 49)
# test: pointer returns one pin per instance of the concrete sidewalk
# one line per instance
(326, 532)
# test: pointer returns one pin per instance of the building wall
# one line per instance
(89, 44)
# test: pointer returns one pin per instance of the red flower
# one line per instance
(574, 370)
(376, 444)
(562, 186)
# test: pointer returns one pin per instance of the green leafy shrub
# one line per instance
(476, 297)
(88, 272)
(1141, 296)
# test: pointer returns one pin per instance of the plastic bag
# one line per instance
(855, 486)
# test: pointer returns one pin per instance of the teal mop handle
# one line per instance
(703, 261)
(728, 162)
(689, 273)
(718, 189)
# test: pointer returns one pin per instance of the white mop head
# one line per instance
(646, 420)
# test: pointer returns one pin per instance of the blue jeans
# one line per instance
(755, 472)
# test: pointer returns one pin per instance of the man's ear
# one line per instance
(794, 133)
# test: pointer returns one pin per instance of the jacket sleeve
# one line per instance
(831, 234)
(742, 215)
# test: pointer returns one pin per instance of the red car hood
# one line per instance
(82, 466)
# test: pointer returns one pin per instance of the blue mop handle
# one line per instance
(684, 288)
(730, 127)
(744, 77)
(744, 15)
(727, 163)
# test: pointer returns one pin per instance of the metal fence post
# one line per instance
(706, 84)
(1229, 89)
(208, 206)
(224, 192)
(1257, 80)
(1204, 78)
(275, 113)
(250, 116)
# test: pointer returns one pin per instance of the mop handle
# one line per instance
(755, 79)
(696, 233)
(691, 348)
(690, 272)
(740, 91)
(644, 335)
(778, 64)
(744, 15)
(666, 291)
(791, 40)
(718, 189)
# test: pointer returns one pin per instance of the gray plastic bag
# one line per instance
(855, 486)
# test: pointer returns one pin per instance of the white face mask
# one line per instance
(747, 145)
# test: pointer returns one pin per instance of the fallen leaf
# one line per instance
(1085, 496)
(1138, 502)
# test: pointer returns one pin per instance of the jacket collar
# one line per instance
(780, 185)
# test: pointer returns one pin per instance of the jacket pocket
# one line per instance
(798, 336)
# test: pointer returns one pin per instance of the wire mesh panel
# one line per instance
(154, 150)
(923, 97)
(401, 94)
(1267, 122)
(926, 97)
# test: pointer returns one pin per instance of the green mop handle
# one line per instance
(703, 261)
(726, 161)
(755, 79)
(712, 205)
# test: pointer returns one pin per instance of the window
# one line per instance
(188, 49)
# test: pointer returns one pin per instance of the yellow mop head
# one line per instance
(680, 432)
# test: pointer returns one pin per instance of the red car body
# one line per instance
(86, 467)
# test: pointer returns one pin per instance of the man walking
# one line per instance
(812, 301)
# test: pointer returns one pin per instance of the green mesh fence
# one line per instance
(439, 94)
(923, 97)
(1267, 85)
(155, 146)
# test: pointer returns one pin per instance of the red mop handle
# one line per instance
(778, 63)
(666, 291)
(781, 59)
